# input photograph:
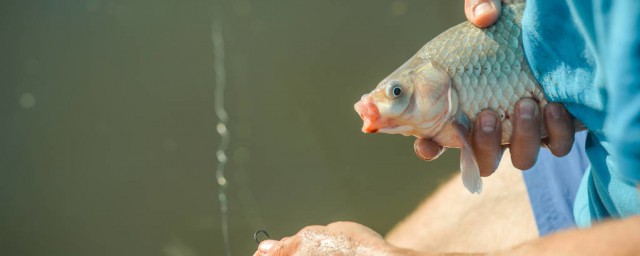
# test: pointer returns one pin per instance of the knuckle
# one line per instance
(334, 224)
(341, 224)
(311, 228)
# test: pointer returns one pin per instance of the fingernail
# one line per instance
(488, 123)
(421, 156)
(265, 246)
(430, 156)
(440, 151)
(556, 111)
(482, 9)
(526, 109)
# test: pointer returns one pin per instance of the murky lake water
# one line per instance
(109, 134)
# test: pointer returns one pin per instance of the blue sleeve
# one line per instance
(586, 55)
(621, 47)
(552, 184)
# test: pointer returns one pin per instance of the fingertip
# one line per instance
(560, 151)
(560, 127)
(524, 164)
(483, 13)
(485, 17)
(266, 245)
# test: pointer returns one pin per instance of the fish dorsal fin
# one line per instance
(468, 164)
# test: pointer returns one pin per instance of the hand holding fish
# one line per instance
(486, 135)
(525, 141)
(470, 88)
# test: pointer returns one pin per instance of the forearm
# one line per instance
(453, 220)
(614, 237)
(419, 232)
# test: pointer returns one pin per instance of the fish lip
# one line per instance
(373, 122)
(369, 130)
(369, 113)
(368, 126)
(397, 129)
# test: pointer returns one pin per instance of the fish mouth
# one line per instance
(369, 114)
(405, 130)
(372, 122)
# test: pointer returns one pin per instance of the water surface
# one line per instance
(108, 129)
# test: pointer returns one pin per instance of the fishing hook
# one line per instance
(255, 235)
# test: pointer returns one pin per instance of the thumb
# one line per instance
(427, 149)
(482, 13)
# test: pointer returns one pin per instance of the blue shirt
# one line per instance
(552, 184)
(586, 55)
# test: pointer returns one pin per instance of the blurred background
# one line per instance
(109, 135)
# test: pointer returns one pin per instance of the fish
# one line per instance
(439, 91)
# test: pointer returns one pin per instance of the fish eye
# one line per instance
(394, 89)
(397, 91)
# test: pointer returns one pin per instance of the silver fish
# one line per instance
(439, 91)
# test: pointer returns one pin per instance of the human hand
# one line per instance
(525, 137)
(482, 13)
(338, 238)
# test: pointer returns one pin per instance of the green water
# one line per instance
(109, 134)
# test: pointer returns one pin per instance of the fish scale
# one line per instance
(488, 67)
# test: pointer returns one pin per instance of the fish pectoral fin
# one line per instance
(468, 164)
(470, 171)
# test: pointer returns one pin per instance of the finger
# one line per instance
(485, 140)
(286, 246)
(482, 13)
(560, 127)
(352, 228)
(525, 139)
(265, 246)
(339, 225)
(427, 149)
